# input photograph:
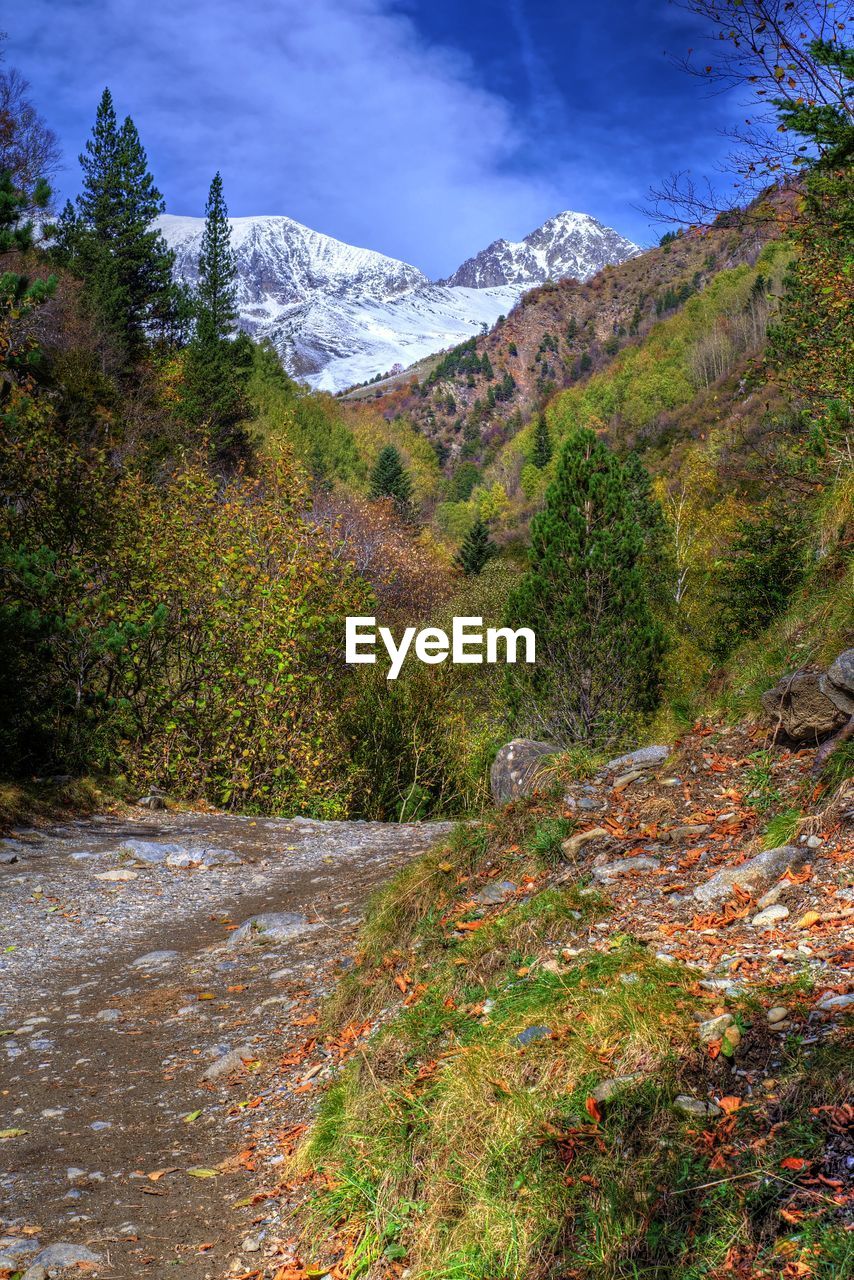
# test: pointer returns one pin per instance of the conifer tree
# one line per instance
(599, 648)
(390, 480)
(542, 452)
(217, 365)
(124, 261)
(477, 549)
(657, 559)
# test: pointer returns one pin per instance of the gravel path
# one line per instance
(123, 980)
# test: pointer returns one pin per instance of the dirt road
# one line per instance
(123, 981)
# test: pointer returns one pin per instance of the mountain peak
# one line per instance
(567, 244)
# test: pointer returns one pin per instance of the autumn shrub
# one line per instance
(186, 634)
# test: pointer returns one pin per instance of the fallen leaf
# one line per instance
(795, 1163)
(161, 1173)
(192, 1116)
(591, 1106)
(808, 920)
(729, 1104)
(12, 1133)
(203, 1173)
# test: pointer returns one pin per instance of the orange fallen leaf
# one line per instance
(798, 877)
(795, 1163)
(591, 1106)
(729, 1104)
(160, 1173)
(807, 920)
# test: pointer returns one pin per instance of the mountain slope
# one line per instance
(339, 315)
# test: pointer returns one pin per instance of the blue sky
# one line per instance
(422, 128)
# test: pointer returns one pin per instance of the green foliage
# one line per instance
(390, 480)
(599, 649)
(477, 549)
(764, 567)
(545, 840)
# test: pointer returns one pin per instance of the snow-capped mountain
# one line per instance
(338, 314)
(570, 244)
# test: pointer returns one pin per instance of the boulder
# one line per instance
(66, 1255)
(624, 867)
(799, 707)
(755, 875)
(837, 684)
(517, 769)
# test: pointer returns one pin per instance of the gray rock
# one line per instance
(588, 805)
(65, 1255)
(151, 802)
(799, 707)
(777, 1014)
(150, 851)
(271, 926)
(643, 758)
(229, 1062)
(687, 831)
(696, 1107)
(494, 892)
(518, 769)
(841, 671)
(841, 698)
(770, 916)
(156, 960)
(181, 861)
(604, 1091)
(771, 898)
(832, 1003)
(8, 857)
(755, 875)
(624, 867)
(532, 1033)
(37, 1272)
(713, 1028)
(626, 779)
(17, 1247)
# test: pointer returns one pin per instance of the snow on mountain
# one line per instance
(570, 244)
(338, 314)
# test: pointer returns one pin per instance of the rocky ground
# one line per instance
(144, 1024)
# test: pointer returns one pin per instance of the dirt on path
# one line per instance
(124, 980)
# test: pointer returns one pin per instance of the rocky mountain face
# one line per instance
(570, 244)
(338, 314)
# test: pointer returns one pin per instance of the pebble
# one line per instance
(831, 1003)
(624, 867)
(530, 1034)
(777, 1014)
(155, 960)
(65, 1255)
(626, 779)
(118, 875)
(714, 1028)
(251, 1244)
(271, 926)
(770, 916)
(229, 1062)
(606, 1089)
(696, 1106)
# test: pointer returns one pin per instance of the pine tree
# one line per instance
(216, 295)
(390, 480)
(217, 365)
(599, 648)
(477, 549)
(541, 454)
(124, 261)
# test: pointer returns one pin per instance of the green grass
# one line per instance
(781, 829)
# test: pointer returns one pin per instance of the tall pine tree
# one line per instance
(477, 549)
(390, 480)
(110, 238)
(585, 595)
(217, 364)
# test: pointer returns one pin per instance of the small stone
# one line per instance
(251, 1244)
(770, 916)
(831, 1004)
(118, 875)
(604, 1091)
(624, 867)
(151, 802)
(771, 898)
(732, 1036)
(778, 1013)
(626, 779)
(687, 830)
(35, 1272)
(495, 892)
(233, 1061)
(643, 758)
(814, 842)
(573, 846)
(155, 960)
(271, 926)
(65, 1255)
(713, 1028)
(670, 782)
(530, 1034)
(696, 1107)
(108, 1015)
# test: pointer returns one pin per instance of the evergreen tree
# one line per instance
(123, 260)
(217, 365)
(477, 549)
(542, 452)
(390, 480)
(216, 295)
(599, 648)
